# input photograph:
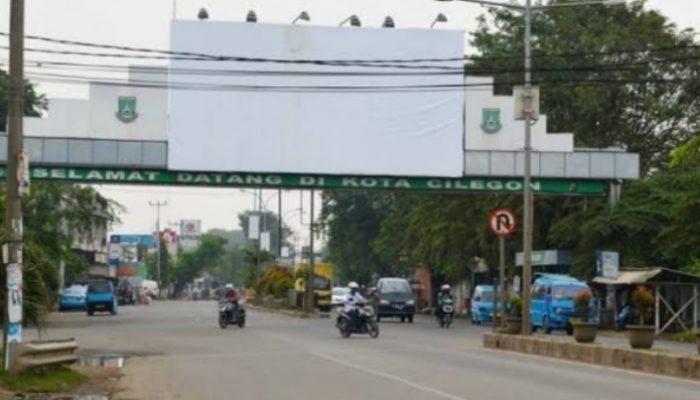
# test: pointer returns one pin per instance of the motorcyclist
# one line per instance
(444, 295)
(232, 296)
(352, 303)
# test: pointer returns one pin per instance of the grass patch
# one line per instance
(685, 336)
(48, 380)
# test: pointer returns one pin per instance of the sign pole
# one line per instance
(13, 209)
(502, 277)
(502, 223)
(310, 274)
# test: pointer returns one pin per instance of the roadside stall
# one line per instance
(676, 294)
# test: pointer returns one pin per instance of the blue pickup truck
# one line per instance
(101, 297)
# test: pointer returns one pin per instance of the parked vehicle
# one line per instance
(73, 298)
(552, 302)
(446, 313)
(231, 313)
(322, 283)
(393, 297)
(101, 297)
(365, 323)
(150, 288)
(338, 296)
(482, 304)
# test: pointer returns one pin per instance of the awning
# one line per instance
(653, 275)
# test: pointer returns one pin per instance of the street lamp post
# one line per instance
(528, 200)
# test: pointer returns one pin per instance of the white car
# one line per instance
(338, 296)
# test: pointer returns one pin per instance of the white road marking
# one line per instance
(386, 375)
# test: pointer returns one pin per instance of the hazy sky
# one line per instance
(144, 23)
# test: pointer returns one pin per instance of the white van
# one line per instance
(150, 288)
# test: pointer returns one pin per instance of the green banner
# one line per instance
(293, 181)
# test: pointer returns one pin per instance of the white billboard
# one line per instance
(310, 118)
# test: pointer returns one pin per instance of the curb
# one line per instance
(287, 313)
(686, 366)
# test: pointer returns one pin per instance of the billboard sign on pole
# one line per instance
(341, 111)
(253, 227)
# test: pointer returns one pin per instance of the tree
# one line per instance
(55, 215)
(34, 103)
(207, 257)
(166, 267)
(614, 76)
(352, 220)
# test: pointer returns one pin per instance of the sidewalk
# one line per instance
(619, 339)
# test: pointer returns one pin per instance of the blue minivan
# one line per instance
(101, 297)
(552, 302)
(482, 304)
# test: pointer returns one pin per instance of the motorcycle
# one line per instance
(446, 313)
(229, 314)
(365, 324)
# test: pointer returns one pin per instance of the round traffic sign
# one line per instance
(502, 222)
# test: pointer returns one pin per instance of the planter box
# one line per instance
(514, 325)
(585, 332)
(640, 336)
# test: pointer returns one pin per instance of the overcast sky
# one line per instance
(144, 23)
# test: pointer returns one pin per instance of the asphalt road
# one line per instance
(176, 350)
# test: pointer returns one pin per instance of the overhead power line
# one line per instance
(75, 79)
(215, 57)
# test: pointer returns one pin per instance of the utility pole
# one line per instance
(310, 274)
(158, 205)
(279, 223)
(13, 212)
(527, 188)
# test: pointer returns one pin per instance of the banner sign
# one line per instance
(293, 181)
(608, 264)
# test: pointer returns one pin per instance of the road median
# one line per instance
(285, 312)
(679, 365)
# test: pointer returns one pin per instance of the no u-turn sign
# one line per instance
(502, 222)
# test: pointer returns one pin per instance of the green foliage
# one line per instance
(55, 216)
(516, 306)
(166, 265)
(276, 281)
(208, 256)
(268, 222)
(687, 336)
(582, 303)
(251, 278)
(43, 380)
(643, 301)
(653, 108)
(353, 221)
(34, 103)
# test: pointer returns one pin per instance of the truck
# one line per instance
(322, 283)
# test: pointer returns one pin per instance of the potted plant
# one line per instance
(514, 321)
(585, 331)
(641, 335)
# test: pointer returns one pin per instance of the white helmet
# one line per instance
(353, 285)
(445, 287)
(228, 286)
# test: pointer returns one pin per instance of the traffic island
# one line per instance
(286, 312)
(677, 365)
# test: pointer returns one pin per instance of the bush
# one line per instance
(582, 304)
(643, 301)
(516, 307)
(276, 281)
